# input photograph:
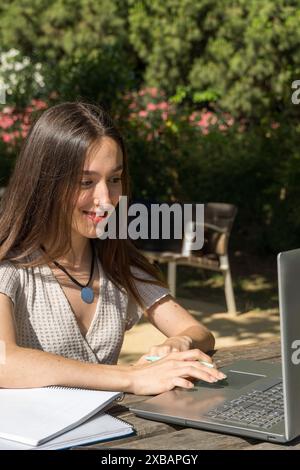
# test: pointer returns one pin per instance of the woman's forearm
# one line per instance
(25, 368)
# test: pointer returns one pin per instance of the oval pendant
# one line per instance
(87, 295)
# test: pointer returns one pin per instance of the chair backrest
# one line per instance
(160, 244)
(218, 215)
(218, 222)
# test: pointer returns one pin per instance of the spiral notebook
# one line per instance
(33, 416)
(101, 427)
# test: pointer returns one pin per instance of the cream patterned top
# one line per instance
(44, 319)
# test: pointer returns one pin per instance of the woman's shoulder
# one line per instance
(14, 262)
(14, 275)
(9, 279)
(9, 276)
(8, 266)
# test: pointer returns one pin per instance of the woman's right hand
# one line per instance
(177, 369)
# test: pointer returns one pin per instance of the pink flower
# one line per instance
(152, 107)
(7, 137)
(143, 113)
(153, 91)
(6, 121)
(163, 105)
(25, 127)
(205, 119)
(39, 104)
(275, 125)
(164, 115)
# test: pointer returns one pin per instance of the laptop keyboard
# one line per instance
(256, 408)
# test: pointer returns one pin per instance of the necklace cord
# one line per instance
(69, 275)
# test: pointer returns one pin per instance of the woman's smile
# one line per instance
(95, 218)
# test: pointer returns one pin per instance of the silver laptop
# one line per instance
(258, 399)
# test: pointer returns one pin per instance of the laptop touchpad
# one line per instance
(234, 380)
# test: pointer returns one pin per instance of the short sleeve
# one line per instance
(149, 293)
(9, 280)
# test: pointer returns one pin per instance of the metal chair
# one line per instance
(218, 221)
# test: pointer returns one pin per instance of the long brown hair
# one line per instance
(41, 195)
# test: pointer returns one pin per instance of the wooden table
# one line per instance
(155, 435)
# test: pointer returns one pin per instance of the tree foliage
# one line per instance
(55, 29)
(82, 46)
(243, 55)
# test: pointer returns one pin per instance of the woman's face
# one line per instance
(100, 188)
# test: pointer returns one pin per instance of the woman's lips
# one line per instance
(94, 218)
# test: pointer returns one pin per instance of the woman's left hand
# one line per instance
(172, 344)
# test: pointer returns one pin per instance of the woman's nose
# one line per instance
(102, 196)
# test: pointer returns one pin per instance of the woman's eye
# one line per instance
(116, 179)
(85, 184)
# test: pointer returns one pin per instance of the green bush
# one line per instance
(257, 168)
(241, 54)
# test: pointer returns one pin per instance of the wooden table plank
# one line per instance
(293, 445)
(264, 350)
(188, 438)
(269, 446)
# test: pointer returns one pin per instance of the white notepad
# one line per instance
(33, 416)
(101, 427)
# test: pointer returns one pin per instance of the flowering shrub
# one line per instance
(150, 111)
(14, 124)
(205, 120)
(19, 77)
(153, 114)
(199, 155)
(21, 83)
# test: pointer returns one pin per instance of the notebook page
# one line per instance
(98, 428)
(33, 416)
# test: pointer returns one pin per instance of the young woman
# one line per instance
(67, 296)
